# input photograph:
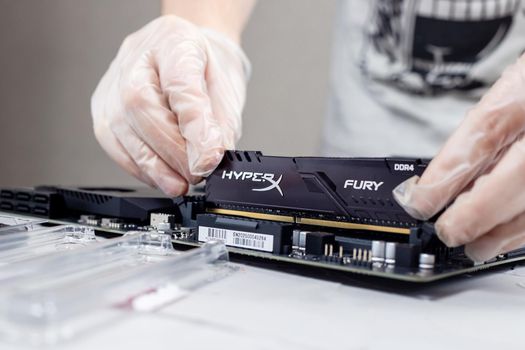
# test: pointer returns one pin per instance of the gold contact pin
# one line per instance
(326, 249)
(310, 221)
(340, 251)
(365, 255)
(359, 254)
(369, 256)
(354, 253)
(331, 250)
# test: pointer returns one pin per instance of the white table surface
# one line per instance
(264, 309)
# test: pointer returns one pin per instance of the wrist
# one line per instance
(227, 17)
(234, 47)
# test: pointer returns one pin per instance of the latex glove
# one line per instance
(482, 169)
(170, 103)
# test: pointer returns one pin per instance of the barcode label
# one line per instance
(233, 238)
(216, 233)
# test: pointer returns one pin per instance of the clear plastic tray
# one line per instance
(18, 224)
(73, 262)
(49, 298)
(16, 246)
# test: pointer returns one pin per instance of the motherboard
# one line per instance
(333, 214)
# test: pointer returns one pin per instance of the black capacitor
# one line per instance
(315, 242)
(407, 255)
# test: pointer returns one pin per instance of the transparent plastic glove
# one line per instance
(171, 102)
(481, 168)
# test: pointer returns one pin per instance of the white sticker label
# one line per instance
(155, 299)
(235, 238)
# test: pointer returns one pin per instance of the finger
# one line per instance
(182, 77)
(494, 199)
(100, 111)
(489, 169)
(227, 85)
(165, 178)
(500, 240)
(496, 121)
(116, 151)
(152, 120)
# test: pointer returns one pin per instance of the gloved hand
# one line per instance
(482, 169)
(171, 103)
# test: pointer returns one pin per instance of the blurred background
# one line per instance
(53, 52)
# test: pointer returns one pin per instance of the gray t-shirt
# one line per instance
(405, 72)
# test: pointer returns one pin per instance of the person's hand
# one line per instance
(481, 169)
(170, 103)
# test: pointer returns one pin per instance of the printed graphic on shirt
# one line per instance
(428, 47)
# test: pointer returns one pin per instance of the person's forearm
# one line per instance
(226, 16)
